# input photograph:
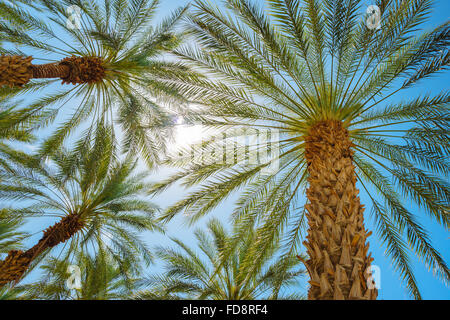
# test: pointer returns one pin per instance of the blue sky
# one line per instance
(391, 286)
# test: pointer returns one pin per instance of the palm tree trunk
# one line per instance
(50, 70)
(17, 262)
(336, 242)
(16, 71)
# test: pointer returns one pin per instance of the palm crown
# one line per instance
(97, 197)
(189, 276)
(316, 72)
(109, 54)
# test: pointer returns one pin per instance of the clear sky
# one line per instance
(391, 287)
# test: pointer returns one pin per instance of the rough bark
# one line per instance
(17, 261)
(50, 70)
(336, 242)
(16, 71)
(83, 70)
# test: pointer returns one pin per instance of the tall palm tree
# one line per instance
(94, 193)
(207, 276)
(325, 77)
(107, 51)
(100, 279)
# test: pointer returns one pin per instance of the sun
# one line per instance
(187, 134)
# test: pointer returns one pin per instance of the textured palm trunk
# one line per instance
(16, 71)
(17, 262)
(50, 70)
(338, 262)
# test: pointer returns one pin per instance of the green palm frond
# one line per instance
(100, 279)
(212, 275)
(11, 236)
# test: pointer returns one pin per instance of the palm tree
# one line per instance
(110, 53)
(94, 193)
(100, 279)
(325, 79)
(189, 276)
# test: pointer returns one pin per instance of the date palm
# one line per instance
(94, 194)
(189, 275)
(328, 83)
(107, 53)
